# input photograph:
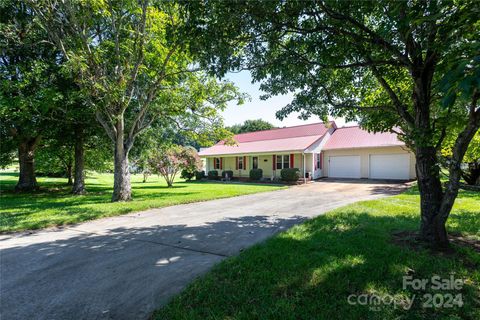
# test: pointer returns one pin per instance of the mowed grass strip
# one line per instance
(309, 271)
(54, 205)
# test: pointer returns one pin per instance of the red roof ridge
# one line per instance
(348, 127)
(273, 129)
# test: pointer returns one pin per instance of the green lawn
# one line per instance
(309, 271)
(54, 205)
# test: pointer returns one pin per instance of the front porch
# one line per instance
(309, 164)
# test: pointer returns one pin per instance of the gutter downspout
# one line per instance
(304, 178)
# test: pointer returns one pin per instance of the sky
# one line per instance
(263, 109)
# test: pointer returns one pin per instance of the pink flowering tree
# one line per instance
(168, 162)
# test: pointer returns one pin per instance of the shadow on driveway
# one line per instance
(124, 273)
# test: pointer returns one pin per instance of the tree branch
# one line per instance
(401, 108)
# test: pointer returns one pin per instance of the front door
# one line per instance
(255, 162)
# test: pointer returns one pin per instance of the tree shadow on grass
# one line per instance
(17, 214)
(309, 273)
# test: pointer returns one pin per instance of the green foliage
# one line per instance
(187, 175)
(199, 175)
(310, 270)
(213, 175)
(473, 151)
(256, 174)
(251, 126)
(341, 58)
(226, 173)
(471, 161)
(412, 67)
(133, 62)
(54, 159)
(290, 174)
(29, 78)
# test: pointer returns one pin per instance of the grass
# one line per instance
(309, 271)
(54, 205)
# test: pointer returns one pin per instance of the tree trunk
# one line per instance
(122, 190)
(26, 157)
(79, 184)
(69, 174)
(431, 195)
(459, 149)
(121, 186)
(471, 174)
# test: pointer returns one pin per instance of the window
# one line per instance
(216, 163)
(279, 162)
(286, 161)
(255, 162)
(319, 163)
(283, 162)
(240, 163)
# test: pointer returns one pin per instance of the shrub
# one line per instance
(187, 174)
(229, 172)
(256, 174)
(290, 174)
(199, 175)
(213, 175)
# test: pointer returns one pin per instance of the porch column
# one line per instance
(304, 179)
(314, 163)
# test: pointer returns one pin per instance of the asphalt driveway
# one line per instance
(127, 266)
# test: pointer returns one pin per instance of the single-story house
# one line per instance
(317, 150)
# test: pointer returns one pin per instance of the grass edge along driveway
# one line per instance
(309, 271)
(54, 205)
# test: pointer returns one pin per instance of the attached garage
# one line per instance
(344, 167)
(389, 163)
(355, 153)
(390, 166)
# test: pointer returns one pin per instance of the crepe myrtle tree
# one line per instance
(128, 55)
(169, 161)
(408, 66)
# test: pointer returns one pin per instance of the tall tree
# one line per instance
(251, 126)
(126, 54)
(399, 64)
(121, 54)
(28, 87)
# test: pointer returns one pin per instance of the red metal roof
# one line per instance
(275, 145)
(299, 138)
(275, 140)
(354, 137)
(314, 129)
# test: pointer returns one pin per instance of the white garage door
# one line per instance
(390, 166)
(344, 167)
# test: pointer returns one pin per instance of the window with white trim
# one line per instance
(319, 166)
(283, 161)
(216, 163)
(240, 163)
